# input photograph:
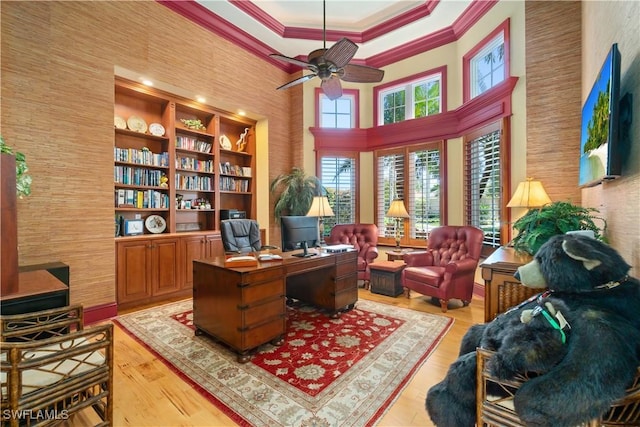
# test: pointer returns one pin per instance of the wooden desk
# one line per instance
(501, 289)
(244, 307)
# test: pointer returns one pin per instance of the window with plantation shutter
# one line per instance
(338, 177)
(390, 180)
(483, 191)
(412, 174)
(424, 197)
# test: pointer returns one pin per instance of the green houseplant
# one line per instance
(295, 192)
(23, 180)
(538, 225)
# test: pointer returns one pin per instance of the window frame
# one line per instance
(467, 59)
(353, 94)
(379, 91)
(405, 151)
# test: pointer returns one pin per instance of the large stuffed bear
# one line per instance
(580, 339)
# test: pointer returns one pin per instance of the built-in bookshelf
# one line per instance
(168, 162)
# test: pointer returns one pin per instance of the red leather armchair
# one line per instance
(364, 238)
(447, 268)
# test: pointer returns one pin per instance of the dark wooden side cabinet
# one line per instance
(41, 287)
(502, 289)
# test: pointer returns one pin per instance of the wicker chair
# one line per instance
(494, 410)
(52, 368)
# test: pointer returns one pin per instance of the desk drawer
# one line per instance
(313, 263)
(347, 282)
(261, 334)
(260, 313)
(345, 269)
(262, 291)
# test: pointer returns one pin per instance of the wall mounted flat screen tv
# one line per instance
(600, 144)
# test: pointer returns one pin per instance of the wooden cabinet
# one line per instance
(501, 289)
(170, 169)
(147, 270)
(197, 247)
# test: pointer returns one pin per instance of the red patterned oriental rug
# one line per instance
(329, 372)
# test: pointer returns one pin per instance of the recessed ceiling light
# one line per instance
(147, 82)
(242, 113)
(201, 99)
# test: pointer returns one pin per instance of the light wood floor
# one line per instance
(148, 393)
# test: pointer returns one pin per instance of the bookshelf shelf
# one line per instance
(190, 161)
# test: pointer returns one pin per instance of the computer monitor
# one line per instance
(299, 232)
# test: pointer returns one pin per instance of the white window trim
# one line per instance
(408, 88)
(352, 100)
(473, 69)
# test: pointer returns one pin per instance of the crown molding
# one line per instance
(204, 17)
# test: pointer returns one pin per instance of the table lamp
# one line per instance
(397, 211)
(529, 194)
(320, 207)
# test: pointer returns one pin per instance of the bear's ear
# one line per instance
(575, 247)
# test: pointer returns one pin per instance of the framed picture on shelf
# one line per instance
(133, 227)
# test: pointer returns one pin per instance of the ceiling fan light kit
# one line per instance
(332, 65)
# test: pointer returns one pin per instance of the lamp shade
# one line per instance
(320, 207)
(397, 210)
(529, 194)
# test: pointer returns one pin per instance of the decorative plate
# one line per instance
(225, 143)
(119, 122)
(137, 124)
(156, 129)
(155, 224)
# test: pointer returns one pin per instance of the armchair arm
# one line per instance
(461, 266)
(418, 258)
(370, 254)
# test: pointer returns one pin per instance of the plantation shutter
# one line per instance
(483, 185)
(423, 202)
(338, 177)
(390, 171)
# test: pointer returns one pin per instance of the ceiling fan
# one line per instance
(332, 65)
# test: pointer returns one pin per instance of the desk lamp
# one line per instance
(320, 207)
(397, 211)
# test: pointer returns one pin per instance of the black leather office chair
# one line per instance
(242, 236)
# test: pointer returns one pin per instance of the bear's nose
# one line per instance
(517, 275)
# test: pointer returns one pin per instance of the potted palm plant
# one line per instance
(295, 192)
(23, 179)
(538, 225)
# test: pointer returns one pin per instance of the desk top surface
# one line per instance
(288, 259)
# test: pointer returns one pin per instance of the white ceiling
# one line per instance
(342, 16)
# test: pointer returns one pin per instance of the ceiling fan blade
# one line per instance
(361, 74)
(341, 53)
(290, 60)
(332, 87)
(297, 81)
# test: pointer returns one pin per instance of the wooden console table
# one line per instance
(501, 289)
(244, 307)
(40, 287)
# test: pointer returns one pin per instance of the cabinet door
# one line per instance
(192, 248)
(214, 246)
(165, 256)
(133, 270)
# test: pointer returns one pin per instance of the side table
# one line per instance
(386, 277)
(396, 255)
(501, 289)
